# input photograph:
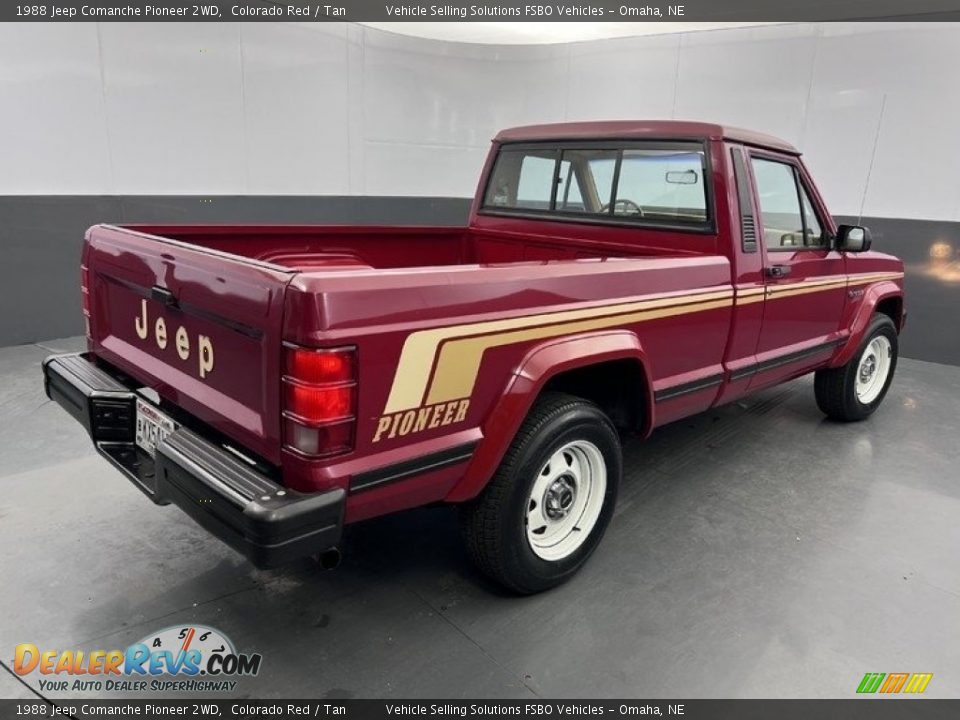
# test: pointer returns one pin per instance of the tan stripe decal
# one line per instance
(461, 347)
(459, 360)
(749, 295)
(805, 287)
(420, 348)
(811, 285)
(864, 278)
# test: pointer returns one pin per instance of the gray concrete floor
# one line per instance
(758, 551)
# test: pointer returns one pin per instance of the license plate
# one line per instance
(152, 427)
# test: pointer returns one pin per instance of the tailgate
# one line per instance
(201, 327)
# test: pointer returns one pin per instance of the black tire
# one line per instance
(494, 524)
(836, 388)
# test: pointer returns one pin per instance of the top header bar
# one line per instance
(506, 10)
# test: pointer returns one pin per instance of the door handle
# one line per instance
(778, 271)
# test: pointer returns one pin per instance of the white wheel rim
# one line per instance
(566, 500)
(873, 369)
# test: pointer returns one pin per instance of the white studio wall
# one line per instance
(290, 109)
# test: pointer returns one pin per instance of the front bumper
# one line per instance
(268, 523)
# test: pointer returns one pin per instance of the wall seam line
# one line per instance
(106, 111)
(818, 27)
(243, 111)
(676, 78)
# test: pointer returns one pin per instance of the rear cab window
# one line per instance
(640, 182)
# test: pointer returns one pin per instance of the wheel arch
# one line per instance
(884, 297)
(564, 364)
(892, 307)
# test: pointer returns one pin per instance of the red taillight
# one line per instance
(319, 405)
(319, 400)
(85, 296)
(320, 366)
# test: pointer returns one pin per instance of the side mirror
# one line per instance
(853, 238)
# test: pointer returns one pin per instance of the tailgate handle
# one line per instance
(162, 295)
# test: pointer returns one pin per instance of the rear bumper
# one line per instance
(268, 523)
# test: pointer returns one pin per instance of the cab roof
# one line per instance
(642, 129)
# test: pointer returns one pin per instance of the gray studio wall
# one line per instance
(341, 123)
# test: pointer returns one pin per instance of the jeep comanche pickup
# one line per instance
(280, 382)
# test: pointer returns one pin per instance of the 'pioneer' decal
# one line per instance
(181, 340)
(420, 419)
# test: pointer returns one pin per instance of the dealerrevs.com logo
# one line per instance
(178, 658)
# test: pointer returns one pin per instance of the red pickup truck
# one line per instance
(280, 382)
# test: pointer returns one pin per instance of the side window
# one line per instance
(813, 233)
(522, 179)
(789, 222)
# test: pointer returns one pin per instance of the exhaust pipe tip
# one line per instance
(330, 559)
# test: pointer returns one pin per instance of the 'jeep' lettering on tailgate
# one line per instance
(181, 340)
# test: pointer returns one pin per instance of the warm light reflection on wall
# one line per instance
(941, 250)
(942, 264)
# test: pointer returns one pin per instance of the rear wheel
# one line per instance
(549, 503)
(853, 391)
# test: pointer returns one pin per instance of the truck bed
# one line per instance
(318, 247)
(200, 313)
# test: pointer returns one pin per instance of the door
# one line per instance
(805, 278)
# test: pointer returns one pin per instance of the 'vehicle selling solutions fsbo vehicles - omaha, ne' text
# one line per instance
(280, 382)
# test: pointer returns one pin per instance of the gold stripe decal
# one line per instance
(745, 296)
(420, 348)
(459, 360)
(750, 294)
(864, 278)
(458, 350)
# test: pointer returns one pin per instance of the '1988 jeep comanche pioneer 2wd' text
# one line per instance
(277, 383)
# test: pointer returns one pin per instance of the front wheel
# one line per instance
(549, 503)
(853, 391)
